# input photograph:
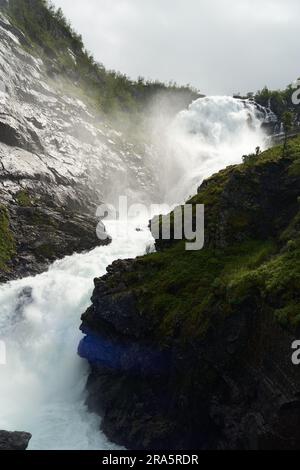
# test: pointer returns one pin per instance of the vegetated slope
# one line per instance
(48, 31)
(193, 349)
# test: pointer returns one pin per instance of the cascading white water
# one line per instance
(213, 133)
(42, 386)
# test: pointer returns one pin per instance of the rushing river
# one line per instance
(42, 385)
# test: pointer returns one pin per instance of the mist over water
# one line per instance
(42, 386)
(212, 133)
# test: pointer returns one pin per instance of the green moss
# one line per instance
(275, 282)
(46, 251)
(273, 154)
(183, 292)
(7, 241)
(23, 199)
(214, 186)
(40, 219)
(239, 221)
(294, 169)
(289, 315)
(179, 290)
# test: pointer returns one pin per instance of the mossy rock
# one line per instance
(46, 250)
(7, 240)
(23, 198)
(183, 292)
(42, 219)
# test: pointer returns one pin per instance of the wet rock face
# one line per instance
(15, 133)
(14, 440)
(58, 160)
(49, 139)
(43, 235)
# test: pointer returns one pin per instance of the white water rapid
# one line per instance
(42, 385)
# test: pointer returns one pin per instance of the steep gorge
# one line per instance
(61, 155)
(186, 350)
(193, 350)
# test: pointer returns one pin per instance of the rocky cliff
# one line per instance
(59, 155)
(57, 161)
(192, 350)
(70, 138)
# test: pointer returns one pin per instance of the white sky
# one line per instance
(218, 46)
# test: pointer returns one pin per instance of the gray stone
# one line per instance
(14, 440)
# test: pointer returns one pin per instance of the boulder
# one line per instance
(14, 440)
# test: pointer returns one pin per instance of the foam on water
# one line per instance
(42, 386)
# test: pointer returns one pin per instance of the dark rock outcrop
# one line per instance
(43, 235)
(14, 440)
(192, 350)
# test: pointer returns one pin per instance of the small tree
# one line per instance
(252, 157)
(287, 121)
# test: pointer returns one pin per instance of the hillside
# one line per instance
(193, 349)
(61, 152)
(187, 349)
(49, 35)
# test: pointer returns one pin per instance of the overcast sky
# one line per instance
(218, 46)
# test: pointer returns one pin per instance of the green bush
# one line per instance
(23, 199)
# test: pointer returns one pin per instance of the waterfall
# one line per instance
(42, 385)
(212, 133)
